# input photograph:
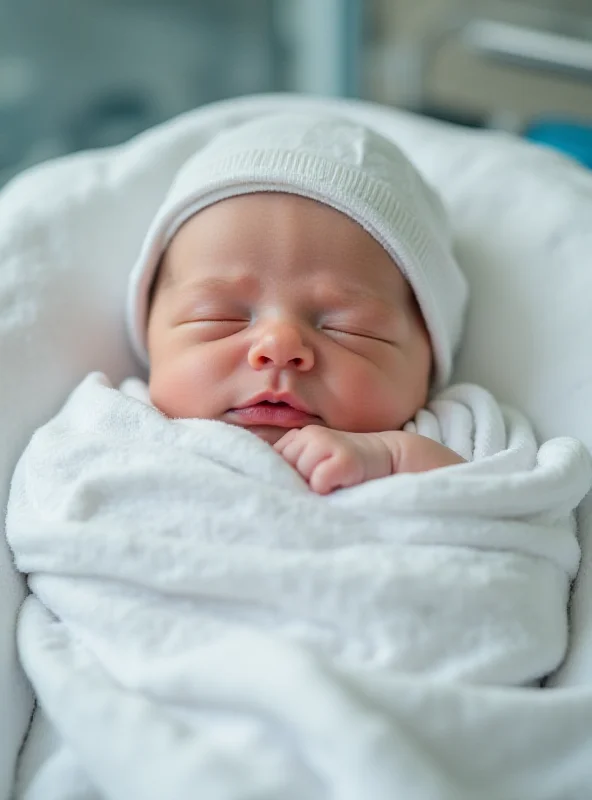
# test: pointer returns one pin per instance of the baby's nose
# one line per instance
(280, 344)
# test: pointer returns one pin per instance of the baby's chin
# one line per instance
(268, 433)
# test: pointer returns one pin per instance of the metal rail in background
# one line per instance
(556, 44)
(547, 51)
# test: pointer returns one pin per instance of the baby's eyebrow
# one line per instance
(215, 283)
(354, 295)
(358, 295)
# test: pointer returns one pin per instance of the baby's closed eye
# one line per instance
(214, 321)
(343, 331)
(362, 325)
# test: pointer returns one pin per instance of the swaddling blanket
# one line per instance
(155, 544)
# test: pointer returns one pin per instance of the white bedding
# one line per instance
(160, 553)
(70, 231)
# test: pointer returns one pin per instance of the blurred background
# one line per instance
(78, 74)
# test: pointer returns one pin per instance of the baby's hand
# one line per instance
(330, 459)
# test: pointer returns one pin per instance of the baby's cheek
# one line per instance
(196, 380)
(170, 394)
(175, 390)
(358, 399)
(367, 398)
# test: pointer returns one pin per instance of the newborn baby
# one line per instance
(298, 306)
(299, 282)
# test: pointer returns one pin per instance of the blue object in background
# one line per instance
(573, 138)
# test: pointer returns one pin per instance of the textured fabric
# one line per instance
(150, 540)
(343, 164)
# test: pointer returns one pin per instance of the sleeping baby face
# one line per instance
(272, 311)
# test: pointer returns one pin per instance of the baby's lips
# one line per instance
(278, 414)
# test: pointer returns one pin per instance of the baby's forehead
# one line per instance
(275, 230)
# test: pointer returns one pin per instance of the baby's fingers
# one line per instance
(333, 473)
(293, 449)
(289, 443)
(304, 449)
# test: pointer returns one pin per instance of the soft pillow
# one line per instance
(70, 231)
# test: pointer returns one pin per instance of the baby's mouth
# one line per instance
(279, 413)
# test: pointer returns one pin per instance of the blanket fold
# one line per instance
(159, 549)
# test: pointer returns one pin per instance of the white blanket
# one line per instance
(202, 623)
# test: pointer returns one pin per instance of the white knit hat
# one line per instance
(337, 162)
